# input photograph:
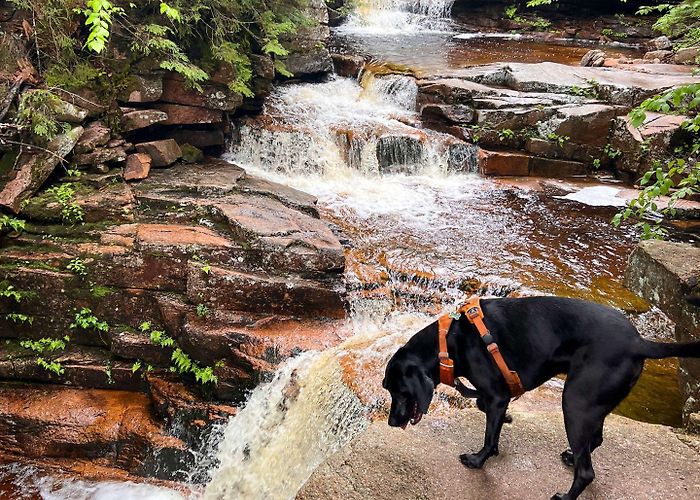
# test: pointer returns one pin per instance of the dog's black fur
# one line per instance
(596, 346)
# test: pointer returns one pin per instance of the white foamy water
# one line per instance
(382, 17)
(372, 128)
(316, 403)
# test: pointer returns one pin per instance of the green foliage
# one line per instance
(505, 134)
(85, 320)
(71, 212)
(19, 318)
(612, 152)
(181, 362)
(8, 223)
(37, 110)
(98, 15)
(681, 22)
(561, 140)
(77, 266)
(45, 345)
(51, 366)
(202, 311)
(679, 178)
(9, 292)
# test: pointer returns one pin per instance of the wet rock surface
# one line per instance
(423, 461)
(668, 275)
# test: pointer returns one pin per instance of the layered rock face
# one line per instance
(668, 275)
(150, 269)
(553, 120)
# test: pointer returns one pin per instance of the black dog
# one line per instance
(597, 347)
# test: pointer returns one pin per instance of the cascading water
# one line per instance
(309, 410)
(341, 124)
(399, 16)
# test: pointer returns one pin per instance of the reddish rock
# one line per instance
(142, 118)
(138, 165)
(585, 123)
(189, 115)
(163, 153)
(227, 289)
(642, 147)
(212, 97)
(547, 167)
(198, 138)
(95, 135)
(503, 163)
(33, 170)
(659, 55)
(101, 155)
(348, 65)
(46, 422)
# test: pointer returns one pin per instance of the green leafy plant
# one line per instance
(19, 318)
(181, 362)
(77, 266)
(99, 14)
(202, 311)
(38, 110)
(561, 140)
(505, 134)
(612, 152)
(47, 346)
(8, 223)
(679, 177)
(10, 292)
(85, 320)
(71, 212)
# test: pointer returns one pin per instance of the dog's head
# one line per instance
(410, 387)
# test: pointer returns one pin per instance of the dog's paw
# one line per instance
(471, 461)
(560, 496)
(567, 457)
(508, 418)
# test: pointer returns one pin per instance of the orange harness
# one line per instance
(472, 310)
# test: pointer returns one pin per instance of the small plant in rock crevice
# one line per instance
(71, 212)
(77, 266)
(561, 140)
(85, 320)
(8, 223)
(181, 362)
(47, 346)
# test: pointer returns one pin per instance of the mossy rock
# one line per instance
(191, 154)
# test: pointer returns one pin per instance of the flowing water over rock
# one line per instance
(399, 16)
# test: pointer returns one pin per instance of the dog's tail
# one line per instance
(658, 350)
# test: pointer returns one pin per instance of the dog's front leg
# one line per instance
(495, 416)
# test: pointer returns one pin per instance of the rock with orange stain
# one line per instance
(42, 421)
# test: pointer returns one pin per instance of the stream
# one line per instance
(420, 236)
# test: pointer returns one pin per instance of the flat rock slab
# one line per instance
(636, 461)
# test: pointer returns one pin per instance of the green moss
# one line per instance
(99, 291)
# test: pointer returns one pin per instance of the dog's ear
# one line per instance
(422, 387)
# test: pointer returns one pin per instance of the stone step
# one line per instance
(515, 163)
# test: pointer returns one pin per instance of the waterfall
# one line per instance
(371, 127)
(382, 17)
(316, 403)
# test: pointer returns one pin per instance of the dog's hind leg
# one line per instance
(590, 394)
(495, 416)
(567, 456)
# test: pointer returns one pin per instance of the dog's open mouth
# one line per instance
(415, 418)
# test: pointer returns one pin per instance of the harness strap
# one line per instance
(447, 366)
(472, 310)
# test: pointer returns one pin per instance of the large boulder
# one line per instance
(163, 153)
(217, 97)
(667, 274)
(34, 168)
(641, 147)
